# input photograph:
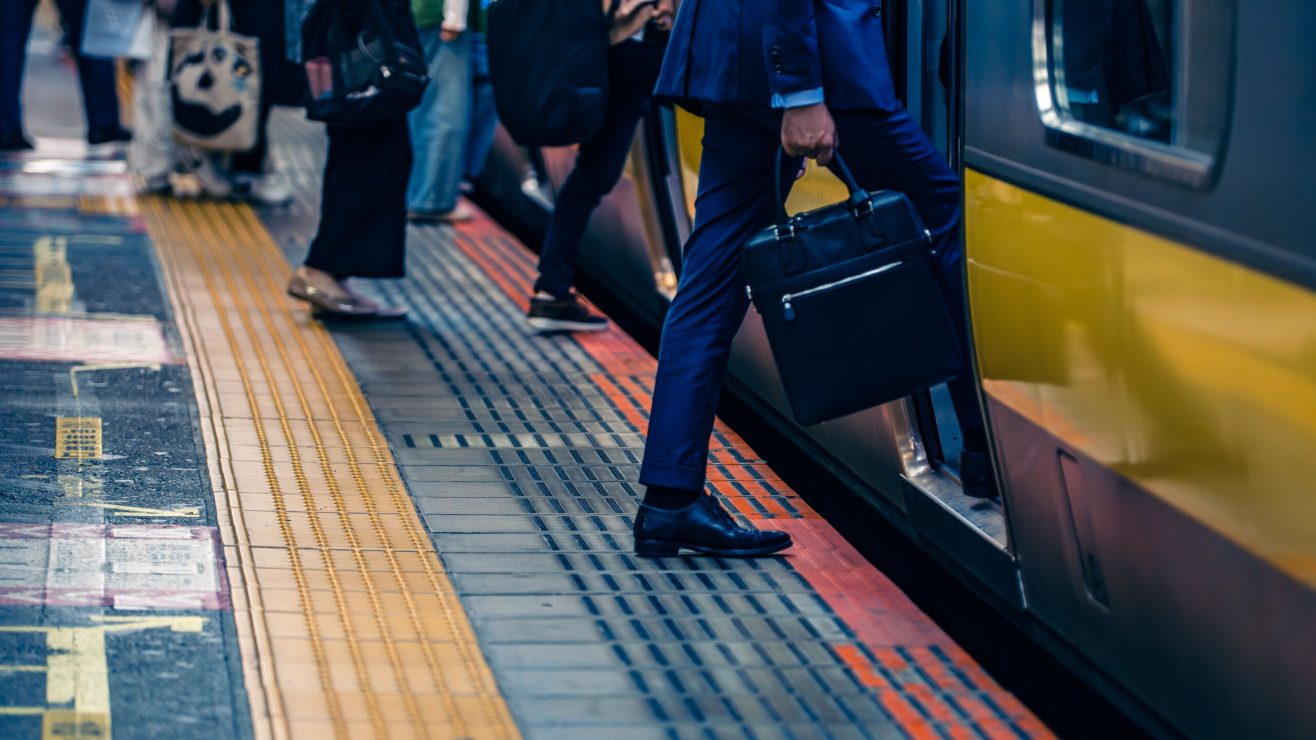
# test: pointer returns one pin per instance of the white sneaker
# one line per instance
(270, 189)
(213, 183)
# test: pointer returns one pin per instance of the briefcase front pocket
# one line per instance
(860, 334)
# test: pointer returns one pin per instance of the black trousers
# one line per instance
(632, 69)
(99, 101)
(363, 212)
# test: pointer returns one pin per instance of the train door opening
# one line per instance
(922, 45)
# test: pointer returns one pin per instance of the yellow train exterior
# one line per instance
(1141, 275)
(1142, 282)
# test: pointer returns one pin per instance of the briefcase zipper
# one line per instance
(789, 311)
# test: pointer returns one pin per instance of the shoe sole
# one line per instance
(662, 549)
(543, 324)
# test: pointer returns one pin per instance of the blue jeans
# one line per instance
(99, 97)
(452, 128)
(735, 200)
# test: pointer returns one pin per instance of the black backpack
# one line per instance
(548, 60)
(363, 61)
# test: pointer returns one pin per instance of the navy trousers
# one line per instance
(735, 201)
(99, 98)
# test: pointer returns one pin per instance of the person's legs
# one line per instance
(100, 97)
(152, 153)
(422, 121)
(251, 163)
(484, 116)
(362, 229)
(15, 25)
(599, 164)
(734, 201)
(441, 123)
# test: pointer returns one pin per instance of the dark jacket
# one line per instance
(748, 51)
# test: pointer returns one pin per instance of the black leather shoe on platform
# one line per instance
(976, 474)
(704, 527)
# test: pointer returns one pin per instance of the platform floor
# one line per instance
(221, 518)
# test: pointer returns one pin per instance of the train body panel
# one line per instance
(1154, 423)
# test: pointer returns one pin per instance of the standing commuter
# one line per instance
(765, 74)
(363, 207)
(100, 100)
(633, 65)
(444, 132)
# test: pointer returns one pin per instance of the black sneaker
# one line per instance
(563, 314)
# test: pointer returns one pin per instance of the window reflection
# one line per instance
(1113, 64)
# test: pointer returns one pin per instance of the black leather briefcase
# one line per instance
(851, 303)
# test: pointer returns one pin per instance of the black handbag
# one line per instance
(851, 303)
(363, 62)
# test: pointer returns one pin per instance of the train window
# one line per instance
(1143, 84)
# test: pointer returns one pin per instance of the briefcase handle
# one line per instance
(860, 201)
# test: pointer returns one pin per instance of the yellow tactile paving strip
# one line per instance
(349, 626)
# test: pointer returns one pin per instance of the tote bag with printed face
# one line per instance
(215, 80)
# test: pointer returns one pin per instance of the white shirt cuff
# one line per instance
(797, 99)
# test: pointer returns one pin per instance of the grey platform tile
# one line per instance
(539, 457)
(515, 583)
(549, 629)
(666, 630)
(457, 489)
(500, 563)
(612, 732)
(540, 542)
(507, 504)
(470, 473)
(555, 656)
(586, 713)
(444, 523)
(651, 605)
(706, 731)
(530, 606)
(569, 683)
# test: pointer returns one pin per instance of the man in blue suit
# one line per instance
(810, 76)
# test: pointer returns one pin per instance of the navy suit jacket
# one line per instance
(778, 53)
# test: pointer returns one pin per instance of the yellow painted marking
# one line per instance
(78, 486)
(270, 379)
(114, 205)
(54, 277)
(78, 438)
(143, 511)
(101, 367)
(78, 674)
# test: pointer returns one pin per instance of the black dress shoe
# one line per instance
(705, 527)
(13, 141)
(976, 475)
(107, 134)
